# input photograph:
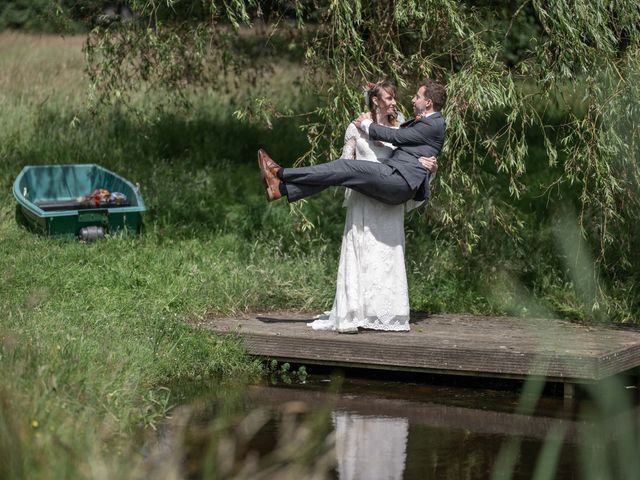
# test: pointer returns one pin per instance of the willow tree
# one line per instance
(505, 69)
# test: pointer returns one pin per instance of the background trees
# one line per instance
(541, 155)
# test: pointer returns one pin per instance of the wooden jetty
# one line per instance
(498, 347)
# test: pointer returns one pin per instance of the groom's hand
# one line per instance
(363, 116)
(430, 163)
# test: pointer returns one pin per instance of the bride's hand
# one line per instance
(363, 116)
(430, 163)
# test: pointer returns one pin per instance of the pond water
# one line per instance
(398, 430)
(388, 429)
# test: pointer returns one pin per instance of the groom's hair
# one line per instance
(435, 92)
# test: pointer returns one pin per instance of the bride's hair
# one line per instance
(375, 90)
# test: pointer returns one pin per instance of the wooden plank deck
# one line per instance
(448, 344)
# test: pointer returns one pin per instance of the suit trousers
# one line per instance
(376, 180)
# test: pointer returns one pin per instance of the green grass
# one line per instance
(96, 339)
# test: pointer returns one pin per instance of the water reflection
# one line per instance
(394, 430)
(402, 430)
(370, 447)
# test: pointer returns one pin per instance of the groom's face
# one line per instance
(421, 104)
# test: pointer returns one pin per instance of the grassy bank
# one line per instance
(94, 338)
(93, 335)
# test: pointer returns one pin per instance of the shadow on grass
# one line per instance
(197, 169)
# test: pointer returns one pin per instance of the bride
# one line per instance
(371, 288)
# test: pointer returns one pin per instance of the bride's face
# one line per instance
(385, 103)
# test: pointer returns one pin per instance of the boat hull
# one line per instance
(47, 183)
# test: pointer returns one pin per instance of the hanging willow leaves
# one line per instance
(507, 68)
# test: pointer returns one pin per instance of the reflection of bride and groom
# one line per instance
(387, 168)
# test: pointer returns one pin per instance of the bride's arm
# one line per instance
(350, 137)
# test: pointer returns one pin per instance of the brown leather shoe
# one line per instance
(268, 171)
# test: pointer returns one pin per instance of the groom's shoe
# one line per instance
(268, 162)
(269, 171)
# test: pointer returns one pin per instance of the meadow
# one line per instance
(95, 339)
(92, 335)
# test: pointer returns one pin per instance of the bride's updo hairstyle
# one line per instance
(375, 90)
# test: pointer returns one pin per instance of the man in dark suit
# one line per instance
(399, 178)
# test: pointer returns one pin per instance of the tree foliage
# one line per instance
(36, 15)
(563, 74)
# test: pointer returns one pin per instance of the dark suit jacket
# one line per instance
(423, 137)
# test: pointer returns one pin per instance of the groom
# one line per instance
(398, 179)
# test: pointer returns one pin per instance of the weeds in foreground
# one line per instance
(608, 442)
(199, 443)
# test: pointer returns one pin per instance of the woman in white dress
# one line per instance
(371, 288)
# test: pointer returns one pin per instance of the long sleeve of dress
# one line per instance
(349, 147)
(351, 135)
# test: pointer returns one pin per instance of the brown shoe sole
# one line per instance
(270, 193)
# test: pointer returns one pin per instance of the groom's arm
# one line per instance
(417, 134)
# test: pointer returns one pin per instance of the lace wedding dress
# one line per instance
(371, 288)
